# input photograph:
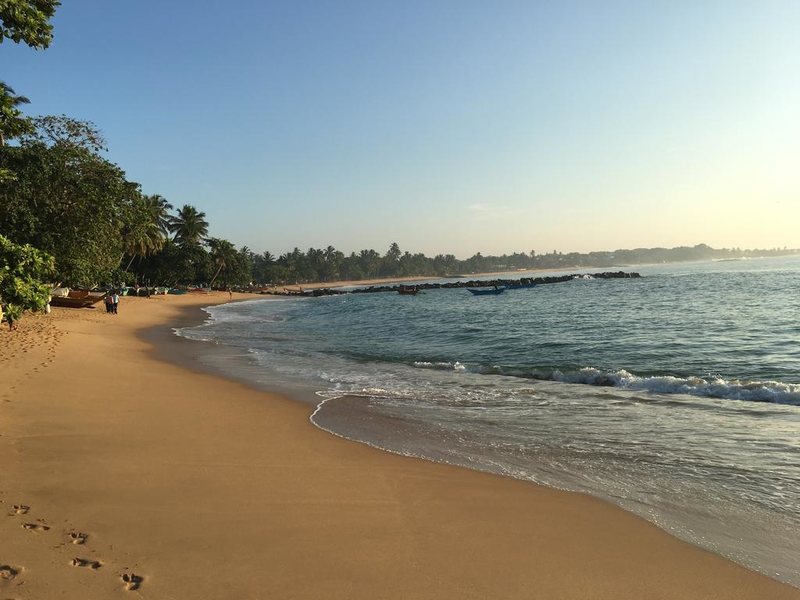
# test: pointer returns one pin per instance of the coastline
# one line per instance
(423, 278)
(208, 487)
(513, 272)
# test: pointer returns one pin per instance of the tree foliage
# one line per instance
(64, 131)
(13, 123)
(23, 271)
(27, 21)
(223, 254)
(176, 265)
(67, 200)
(141, 232)
(159, 208)
(189, 226)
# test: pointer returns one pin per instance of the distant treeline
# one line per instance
(330, 264)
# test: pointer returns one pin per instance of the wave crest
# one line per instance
(712, 387)
(441, 366)
(776, 392)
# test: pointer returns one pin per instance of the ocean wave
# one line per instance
(713, 387)
(776, 392)
(218, 315)
(441, 366)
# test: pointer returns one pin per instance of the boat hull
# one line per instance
(77, 299)
(485, 292)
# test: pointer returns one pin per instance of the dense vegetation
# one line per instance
(22, 271)
(23, 268)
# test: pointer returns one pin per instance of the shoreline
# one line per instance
(206, 486)
(188, 354)
(343, 417)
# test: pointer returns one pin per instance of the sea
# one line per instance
(675, 396)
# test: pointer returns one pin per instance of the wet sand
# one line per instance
(119, 469)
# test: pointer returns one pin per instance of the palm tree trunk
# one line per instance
(130, 262)
(215, 276)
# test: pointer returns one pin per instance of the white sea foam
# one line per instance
(777, 392)
(443, 366)
(713, 387)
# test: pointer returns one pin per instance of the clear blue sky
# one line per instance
(445, 126)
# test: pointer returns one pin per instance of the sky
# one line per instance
(447, 127)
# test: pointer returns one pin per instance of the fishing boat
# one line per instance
(77, 299)
(408, 290)
(486, 291)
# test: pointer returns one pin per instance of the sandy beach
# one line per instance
(125, 474)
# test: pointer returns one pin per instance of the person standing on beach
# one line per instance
(115, 301)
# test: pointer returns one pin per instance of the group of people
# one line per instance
(112, 302)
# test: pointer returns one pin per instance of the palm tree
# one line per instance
(315, 259)
(12, 123)
(189, 226)
(159, 210)
(294, 262)
(223, 253)
(369, 261)
(142, 235)
(263, 267)
(333, 262)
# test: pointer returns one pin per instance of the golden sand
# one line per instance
(125, 475)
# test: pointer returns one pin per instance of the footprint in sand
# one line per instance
(7, 573)
(132, 581)
(85, 562)
(21, 509)
(78, 537)
(35, 527)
